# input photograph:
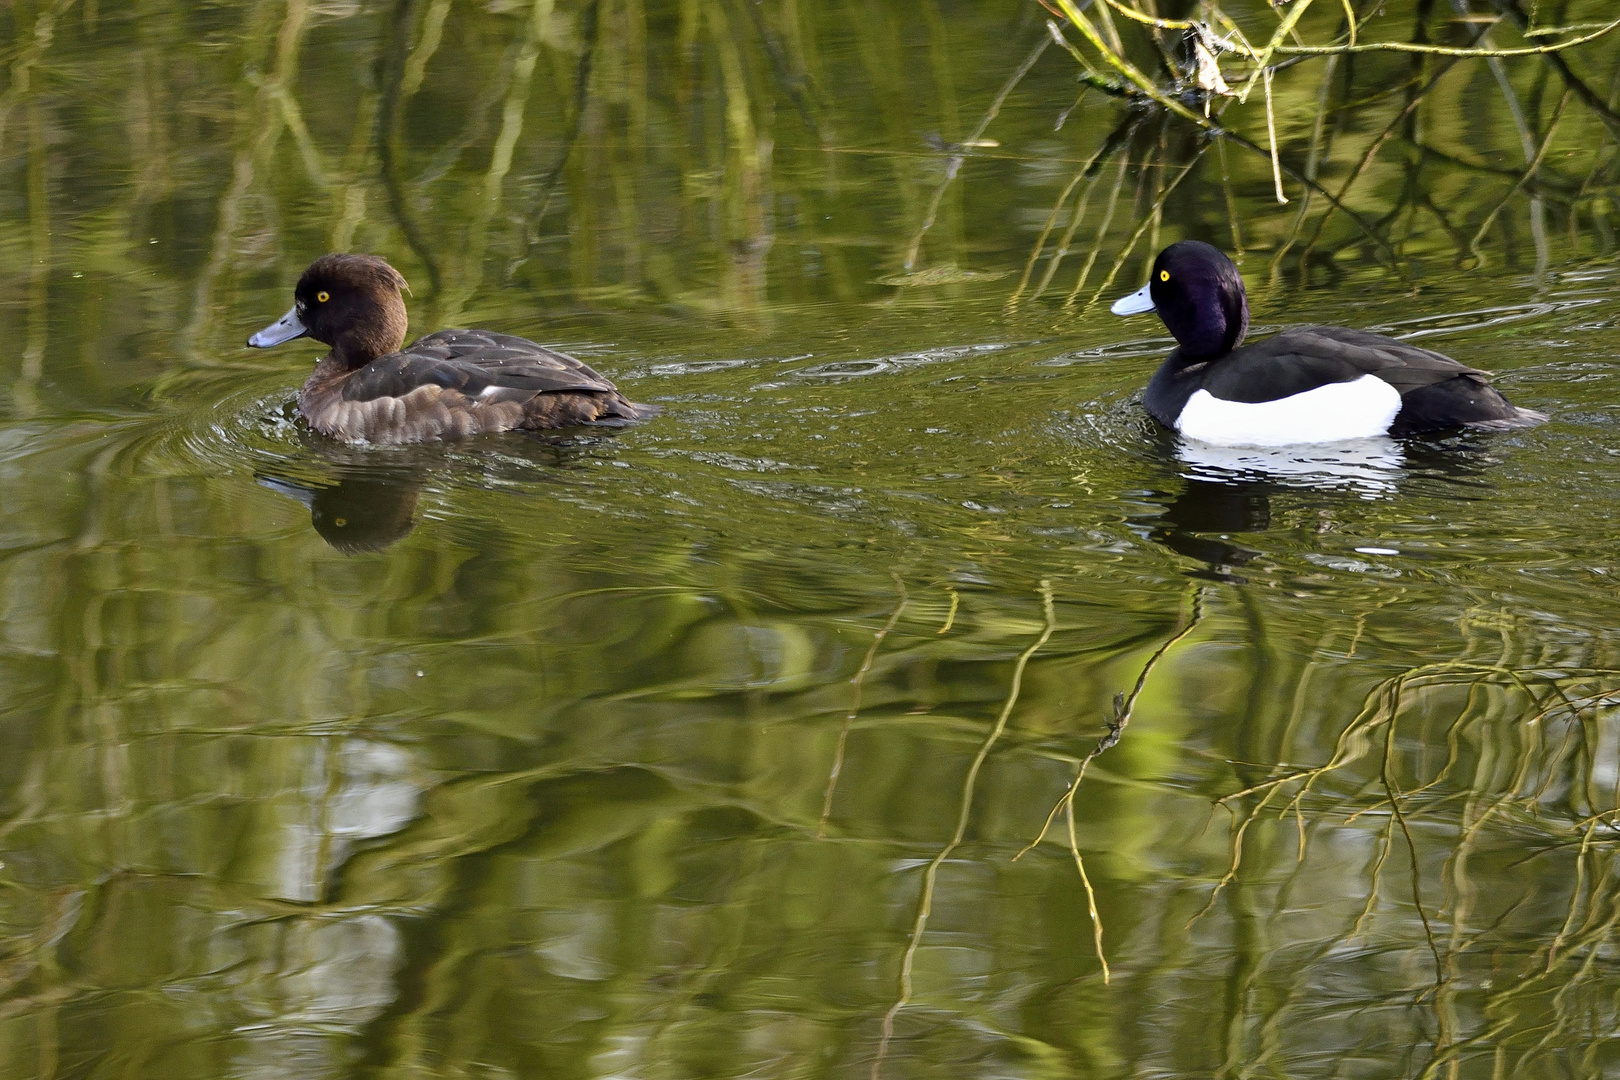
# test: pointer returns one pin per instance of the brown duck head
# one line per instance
(350, 302)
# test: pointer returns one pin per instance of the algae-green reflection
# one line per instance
(707, 748)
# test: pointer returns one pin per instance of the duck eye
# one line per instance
(1164, 275)
(323, 296)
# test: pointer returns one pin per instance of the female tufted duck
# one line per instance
(445, 385)
(1313, 384)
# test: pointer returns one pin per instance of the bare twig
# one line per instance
(1530, 171)
(925, 902)
(1444, 50)
(856, 682)
(1124, 705)
(954, 163)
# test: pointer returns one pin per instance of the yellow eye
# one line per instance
(1164, 275)
(340, 522)
(324, 296)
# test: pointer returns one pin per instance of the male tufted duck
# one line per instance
(1313, 384)
(446, 385)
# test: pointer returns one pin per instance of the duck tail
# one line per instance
(619, 411)
(630, 410)
(1517, 418)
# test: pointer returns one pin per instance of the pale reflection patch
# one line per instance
(328, 978)
(356, 791)
(1369, 467)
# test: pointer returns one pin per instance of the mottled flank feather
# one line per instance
(465, 382)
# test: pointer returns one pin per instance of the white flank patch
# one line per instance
(1359, 409)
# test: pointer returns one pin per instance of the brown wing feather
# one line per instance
(456, 383)
(481, 365)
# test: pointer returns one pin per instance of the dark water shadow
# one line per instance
(361, 511)
(1228, 491)
(363, 499)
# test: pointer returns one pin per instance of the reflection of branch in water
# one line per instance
(1334, 201)
(685, 1000)
(925, 902)
(1394, 792)
(591, 20)
(1380, 705)
(855, 704)
(1313, 159)
(1148, 222)
(1414, 100)
(1588, 96)
(1575, 898)
(1091, 173)
(1383, 704)
(350, 200)
(954, 163)
(1509, 777)
(950, 616)
(1527, 143)
(471, 274)
(1102, 231)
(1530, 170)
(1124, 705)
(793, 82)
(1500, 709)
(396, 60)
(1385, 842)
(25, 393)
(261, 124)
(21, 90)
(25, 59)
(1430, 64)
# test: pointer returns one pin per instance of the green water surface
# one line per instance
(721, 746)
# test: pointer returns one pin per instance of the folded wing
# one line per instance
(1295, 361)
(482, 366)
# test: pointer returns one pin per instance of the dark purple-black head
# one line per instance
(1198, 292)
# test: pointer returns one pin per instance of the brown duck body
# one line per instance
(447, 385)
(456, 383)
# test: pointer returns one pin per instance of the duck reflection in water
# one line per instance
(1200, 522)
(1365, 468)
(1229, 490)
(362, 511)
(364, 499)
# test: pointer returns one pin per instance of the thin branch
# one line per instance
(1443, 50)
(1124, 706)
(856, 682)
(955, 162)
(1530, 171)
(925, 902)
